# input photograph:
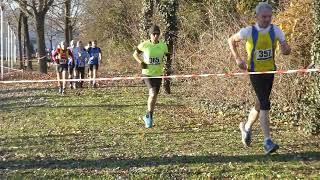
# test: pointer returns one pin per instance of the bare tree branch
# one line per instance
(23, 5)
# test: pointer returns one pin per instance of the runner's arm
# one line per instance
(233, 44)
(54, 56)
(100, 55)
(71, 55)
(136, 54)
(285, 48)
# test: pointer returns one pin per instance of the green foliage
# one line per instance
(311, 101)
(146, 18)
(311, 106)
(248, 6)
(193, 18)
(297, 23)
(111, 22)
(199, 17)
(168, 10)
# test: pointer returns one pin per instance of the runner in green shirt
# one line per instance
(153, 52)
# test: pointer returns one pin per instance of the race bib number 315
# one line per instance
(154, 61)
(264, 54)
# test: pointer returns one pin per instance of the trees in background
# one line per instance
(64, 18)
(37, 9)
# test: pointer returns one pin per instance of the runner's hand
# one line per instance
(242, 64)
(143, 65)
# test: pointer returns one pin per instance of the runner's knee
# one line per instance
(153, 93)
(262, 105)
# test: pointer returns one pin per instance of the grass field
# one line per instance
(99, 134)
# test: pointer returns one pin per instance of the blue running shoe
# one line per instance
(245, 135)
(270, 147)
(148, 120)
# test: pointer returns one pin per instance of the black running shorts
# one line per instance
(262, 85)
(154, 83)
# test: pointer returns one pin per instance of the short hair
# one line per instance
(154, 29)
(263, 6)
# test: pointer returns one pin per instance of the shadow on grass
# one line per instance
(17, 106)
(125, 163)
(55, 89)
(26, 89)
(108, 106)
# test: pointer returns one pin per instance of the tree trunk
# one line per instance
(169, 12)
(20, 40)
(71, 32)
(168, 67)
(51, 45)
(311, 103)
(41, 43)
(146, 19)
(67, 21)
(28, 46)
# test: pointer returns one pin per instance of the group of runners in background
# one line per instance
(72, 62)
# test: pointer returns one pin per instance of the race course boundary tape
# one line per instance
(279, 72)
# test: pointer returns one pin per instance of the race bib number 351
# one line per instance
(154, 61)
(264, 54)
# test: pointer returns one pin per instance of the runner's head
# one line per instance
(94, 43)
(72, 43)
(154, 33)
(63, 45)
(79, 44)
(264, 14)
(89, 44)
